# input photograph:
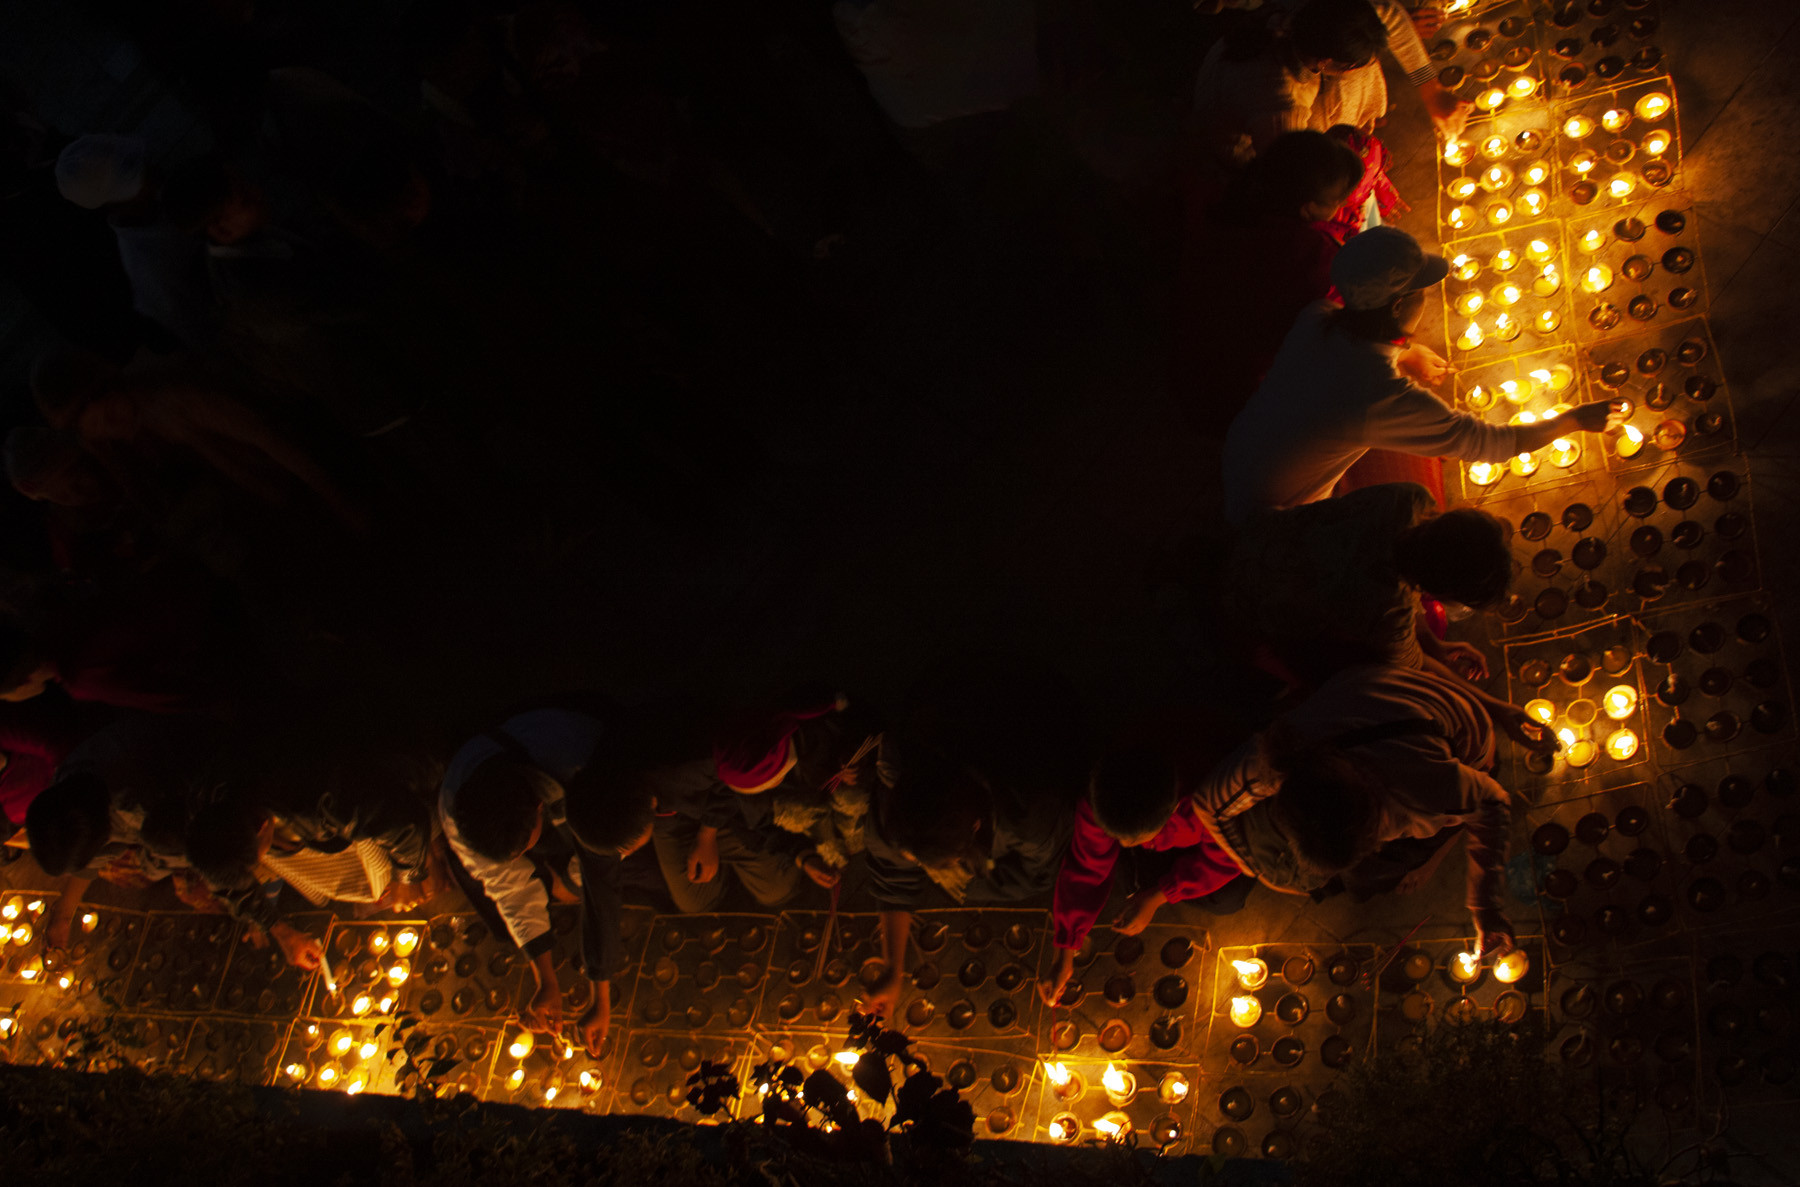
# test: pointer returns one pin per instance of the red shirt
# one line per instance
(1085, 881)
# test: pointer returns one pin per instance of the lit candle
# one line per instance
(386, 1004)
(1495, 178)
(1120, 1085)
(1505, 328)
(397, 973)
(515, 1078)
(1653, 106)
(1561, 376)
(1540, 711)
(294, 1071)
(1174, 1088)
(1252, 973)
(1547, 282)
(1499, 212)
(1465, 967)
(1469, 304)
(1067, 1084)
(1063, 1128)
(369, 1050)
(89, 921)
(340, 1042)
(1564, 452)
(1114, 1126)
(1537, 249)
(1620, 701)
(1621, 744)
(1479, 398)
(1583, 161)
(1592, 241)
(524, 1042)
(22, 934)
(1534, 201)
(1506, 259)
(1456, 152)
(1464, 267)
(356, 1081)
(1524, 465)
(1485, 473)
(6, 1027)
(63, 981)
(1507, 294)
(1245, 1010)
(1580, 753)
(406, 942)
(1490, 99)
(12, 908)
(328, 1076)
(1514, 392)
(1614, 119)
(1630, 441)
(1510, 966)
(1536, 173)
(1657, 143)
(378, 942)
(551, 1090)
(1470, 337)
(847, 1058)
(1494, 147)
(35, 906)
(362, 1005)
(1461, 216)
(1461, 188)
(1596, 279)
(1577, 127)
(589, 1081)
(1522, 87)
(1621, 186)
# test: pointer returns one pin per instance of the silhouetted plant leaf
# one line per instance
(872, 1076)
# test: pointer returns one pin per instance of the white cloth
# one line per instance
(1329, 398)
(357, 874)
(560, 742)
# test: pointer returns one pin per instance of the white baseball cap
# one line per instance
(1383, 263)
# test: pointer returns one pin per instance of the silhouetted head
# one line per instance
(935, 809)
(1329, 805)
(498, 810)
(1335, 36)
(1460, 556)
(69, 823)
(227, 835)
(1303, 174)
(1133, 792)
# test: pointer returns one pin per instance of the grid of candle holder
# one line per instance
(235, 1050)
(816, 966)
(1618, 148)
(1480, 52)
(1439, 982)
(1605, 873)
(1565, 566)
(334, 1054)
(1633, 1027)
(180, 963)
(377, 970)
(1734, 835)
(577, 989)
(1635, 266)
(1516, 275)
(1688, 538)
(1076, 1101)
(1132, 997)
(152, 1044)
(655, 1066)
(1679, 406)
(1592, 43)
(1747, 999)
(460, 972)
(973, 976)
(1524, 389)
(1001, 1083)
(1583, 686)
(703, 971)
(1291, 1011)
(1716, 679)
(261, 982)
(89, 975)
(553, 1073)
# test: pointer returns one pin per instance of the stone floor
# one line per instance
(1023, 482)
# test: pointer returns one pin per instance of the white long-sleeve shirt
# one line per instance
(1329, 398)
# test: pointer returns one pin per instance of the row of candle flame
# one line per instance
(1650, 108)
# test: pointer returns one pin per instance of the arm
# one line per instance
(518, 896)
(884, 995)
(1507, 717)
(543, 1013)
(1487, 858)
(1084, 882)
(602, 950)
(62, 914)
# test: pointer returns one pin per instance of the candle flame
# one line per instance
(550, 1093)
(1113, 1080)
(1566, 736)
(1249, 968)
(847, 1058)
(1178, 1088)
(1058, 1073)
(1621, 745)
(369, 1050)
(1634, 435)
(1057, 1131)
(1467, 964)
(1108, 1127)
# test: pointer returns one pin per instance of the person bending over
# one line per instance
(1137, 807)
(355, 828)
(1338, 582)
(1342, 383)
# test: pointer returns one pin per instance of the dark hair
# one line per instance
(610, 805)
(497, 806)
(1133, 792)
(221, 836)
(1329, 803)
(933, 806)
(1296, 168)
(68, 824)
(1344, 31)
(195, 190)
(1459, 556)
